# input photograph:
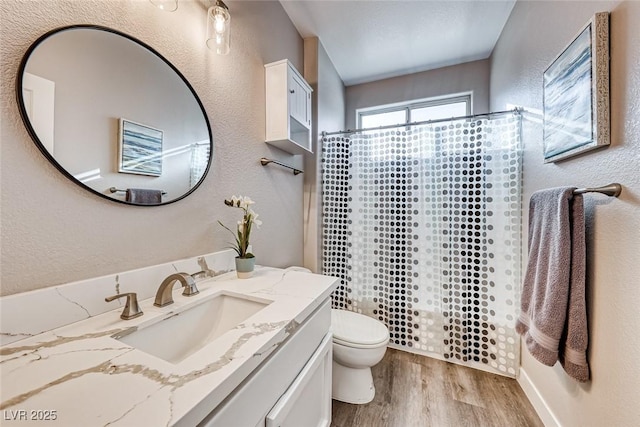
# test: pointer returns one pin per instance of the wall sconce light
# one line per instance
(218, 28)
(166, 5)
(218, 23)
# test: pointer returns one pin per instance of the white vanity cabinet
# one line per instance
(288, 109)
(291, 388)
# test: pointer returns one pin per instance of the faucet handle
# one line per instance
(204, 274)
(131, 308)
(190, 288)
(200, 275)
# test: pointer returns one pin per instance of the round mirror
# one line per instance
(114, 116)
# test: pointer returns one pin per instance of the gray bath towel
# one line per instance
(143, 196)
(553, 318)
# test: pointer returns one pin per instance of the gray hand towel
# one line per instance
(142, 196)
(553, 318)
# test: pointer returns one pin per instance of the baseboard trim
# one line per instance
(538, 403)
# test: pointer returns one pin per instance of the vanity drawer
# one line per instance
(250, 402)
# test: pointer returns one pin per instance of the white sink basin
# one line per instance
(187, 330)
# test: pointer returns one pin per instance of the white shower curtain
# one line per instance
(422, 225)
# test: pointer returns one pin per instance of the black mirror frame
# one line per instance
(49, 156)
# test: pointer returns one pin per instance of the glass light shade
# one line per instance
(218, 28)
(166, 5)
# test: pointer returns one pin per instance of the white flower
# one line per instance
(245, 202)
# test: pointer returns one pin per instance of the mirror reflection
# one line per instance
(114, 116)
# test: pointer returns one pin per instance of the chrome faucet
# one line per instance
(164, 296)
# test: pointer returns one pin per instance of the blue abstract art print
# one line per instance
(140, 149)
(576, 94)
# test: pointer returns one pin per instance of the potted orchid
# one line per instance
(245, 261)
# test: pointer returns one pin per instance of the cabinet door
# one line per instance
(292, 87)
(304, 106)
(298, 95)
(307, 402)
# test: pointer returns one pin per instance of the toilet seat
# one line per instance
(357, 330)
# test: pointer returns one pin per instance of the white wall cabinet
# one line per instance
(288, 109)
(291, 388)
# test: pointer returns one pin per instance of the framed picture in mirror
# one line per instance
(139, 149)
(576, 94)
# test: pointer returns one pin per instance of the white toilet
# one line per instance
(359, 342)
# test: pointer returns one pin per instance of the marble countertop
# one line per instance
(79, 375)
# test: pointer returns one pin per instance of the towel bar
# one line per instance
(264, 161)
(611, 190)
(117, 190)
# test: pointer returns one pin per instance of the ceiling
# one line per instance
(372, 40)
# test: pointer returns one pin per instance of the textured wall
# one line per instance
(54, 232)
(535, 33)
(467, 77)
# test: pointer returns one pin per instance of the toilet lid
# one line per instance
(350, 327)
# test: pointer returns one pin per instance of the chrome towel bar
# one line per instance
(611, 190)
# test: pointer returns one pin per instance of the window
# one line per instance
(415, 111)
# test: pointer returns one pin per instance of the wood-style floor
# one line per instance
(417, 391)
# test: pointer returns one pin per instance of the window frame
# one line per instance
(407, 106)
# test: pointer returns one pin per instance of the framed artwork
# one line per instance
(576, 94)
(139, 149)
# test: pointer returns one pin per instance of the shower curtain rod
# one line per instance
(425, 122)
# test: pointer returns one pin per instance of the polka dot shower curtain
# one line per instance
(422, 225)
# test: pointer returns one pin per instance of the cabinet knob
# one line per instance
(292, 91)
